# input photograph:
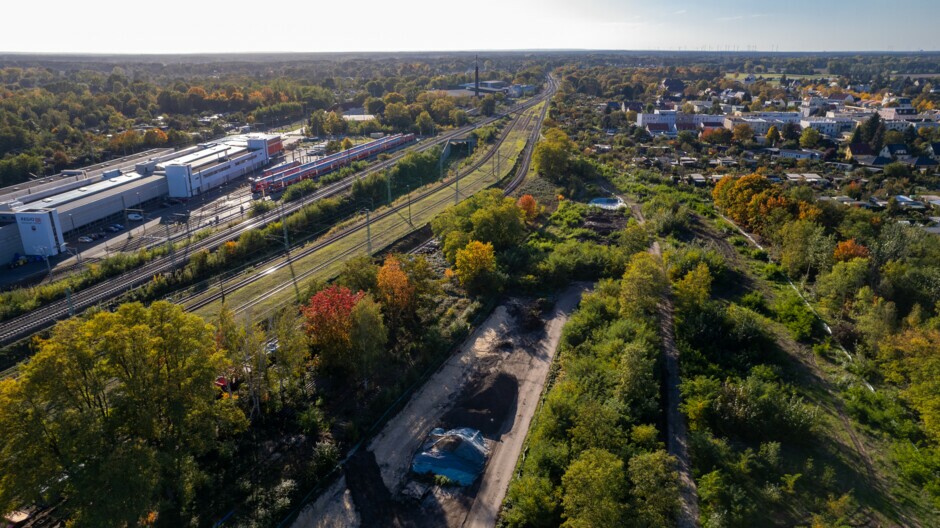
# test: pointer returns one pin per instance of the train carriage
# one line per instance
(280, 178)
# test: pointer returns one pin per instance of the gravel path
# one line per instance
(677, 435)
(531, 369)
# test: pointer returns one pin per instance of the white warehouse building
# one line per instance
(33, 220)
(217, 163)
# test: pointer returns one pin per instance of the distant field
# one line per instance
(774, 78)
(915, 75)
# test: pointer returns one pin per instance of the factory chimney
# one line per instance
(476, 76)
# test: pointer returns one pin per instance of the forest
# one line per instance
(53, 118)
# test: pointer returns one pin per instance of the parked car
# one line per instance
(114, 228)
(85, 239)
(136, 217)
(18, 261)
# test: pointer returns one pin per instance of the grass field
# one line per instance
(773, 78)
(276, 289)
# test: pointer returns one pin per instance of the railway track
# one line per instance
(206, 298)
(45, 316)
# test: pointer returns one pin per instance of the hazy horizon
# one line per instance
(488, 25)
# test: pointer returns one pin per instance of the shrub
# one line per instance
(796, 316)
(755, 301)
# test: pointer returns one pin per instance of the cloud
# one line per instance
(681, 12)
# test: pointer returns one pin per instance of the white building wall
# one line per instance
(10, 243)
(179, 181)
(40, 232)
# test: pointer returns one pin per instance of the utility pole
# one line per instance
(409, 208)
(388, 185)
(169, 245)
(368, 233)
(290, 263)
(496, 173)
(68, 299)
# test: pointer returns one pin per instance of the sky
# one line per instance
(204, 26)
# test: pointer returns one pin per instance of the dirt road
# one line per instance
(531, 370)
(677, 435)
(497, 348)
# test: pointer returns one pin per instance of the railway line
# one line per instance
(206, 298)
(45, 316)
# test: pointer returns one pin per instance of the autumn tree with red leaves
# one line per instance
(529, 206)
(328, 322)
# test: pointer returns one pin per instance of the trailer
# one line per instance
(284, 177)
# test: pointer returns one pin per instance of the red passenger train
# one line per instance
(291, 174)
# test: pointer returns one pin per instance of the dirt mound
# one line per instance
(485, 404)
(373, 500)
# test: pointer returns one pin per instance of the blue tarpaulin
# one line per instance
(458, 454)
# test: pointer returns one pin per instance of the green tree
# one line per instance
(291, 355)
(425, 123)
(595, 490)
(488, 105)
(655, 493)
(359, 273)
(368, 337)
(502, 225)
(393, 98)
(693, 290)
(743, 133)
(334, 124)
(805, 249)
(534, 503)
(810, 138)
(122, 405)
(397, 116)
(476, 265)
(773, 136)
(839, 286)
(643, 285)
(552, 155)
(637, 386)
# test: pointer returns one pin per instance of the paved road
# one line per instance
(532, 371)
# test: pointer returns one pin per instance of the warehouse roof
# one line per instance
(83, 192)
(130, 187)
(201, 157)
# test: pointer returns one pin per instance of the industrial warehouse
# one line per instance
(35, 220)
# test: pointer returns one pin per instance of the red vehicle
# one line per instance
(281, 180)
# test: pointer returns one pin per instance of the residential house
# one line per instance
(894, 151)
(840, 99)
(858, 149)
(933, 150)
(906, 202)
(796, 154)
(673, 85)
(831, 127)
(872, 161)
